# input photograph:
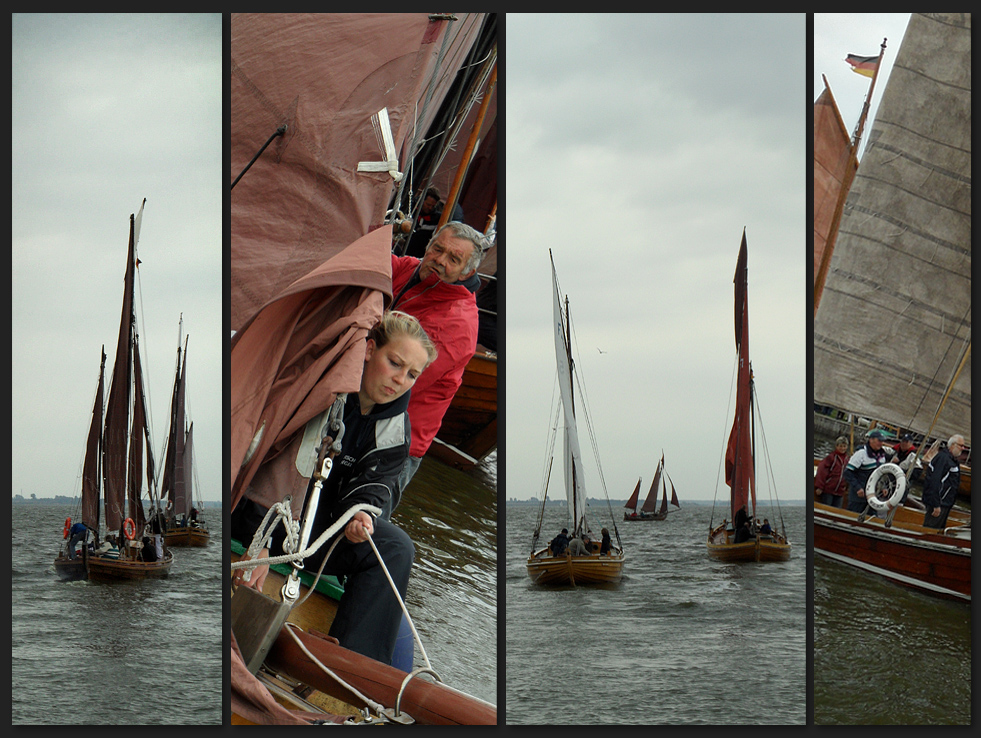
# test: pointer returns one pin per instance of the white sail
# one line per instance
(574, 489)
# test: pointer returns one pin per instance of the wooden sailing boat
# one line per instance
(183, 520)
(73, 566)
(129, 549)
(736, 543)
(570, 567)
(305, 292)
(649, 511)
(892, 337)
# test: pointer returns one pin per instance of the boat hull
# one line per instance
(468, 432)
(102, 569)
(187, 536)
(722, 547)
(571, 570)
(905, 553)
(427, 703)
(70, 569)
(642, 516)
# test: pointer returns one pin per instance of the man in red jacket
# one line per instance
(439, 290)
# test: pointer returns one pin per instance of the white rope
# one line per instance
(292, 557)
(405, 611)
(378, 708)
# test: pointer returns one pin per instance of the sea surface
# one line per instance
(683, 639)
(127, 653)
(451, 517)
(884, 654)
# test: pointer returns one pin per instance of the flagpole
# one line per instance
(868, 99)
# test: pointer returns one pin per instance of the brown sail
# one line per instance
(835, 165)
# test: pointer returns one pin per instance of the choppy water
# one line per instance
(452, 596)
(127, 653)
(683, 639)
(884, 654)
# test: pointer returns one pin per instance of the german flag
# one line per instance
(864, 65)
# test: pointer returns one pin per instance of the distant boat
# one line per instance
(184, 523)
(752, 543)
(544, 565)
(129, 549)
(648, 510)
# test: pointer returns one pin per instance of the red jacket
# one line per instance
(829, 478)
(448, 313)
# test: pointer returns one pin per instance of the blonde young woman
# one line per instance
(375, 445)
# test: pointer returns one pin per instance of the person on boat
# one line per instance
(860, 467)
(77, 532)
(430, 213)
(439, 290)
(740, 520)
(904, 451)
(560, 543)
(606, 544)
(943, 479)
(374, 446)
(765, 529)
(577, 547)
(744, 532)
(829, 481)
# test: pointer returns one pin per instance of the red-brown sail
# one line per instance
(632, 502)
(650, 504)
(116, 433)
(835, 165)
(91, 468)
(740, 471)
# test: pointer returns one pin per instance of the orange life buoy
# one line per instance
(68, 526)
(129, 528)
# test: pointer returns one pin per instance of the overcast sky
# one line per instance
(836, 35)
(638, 147)
(107, 111)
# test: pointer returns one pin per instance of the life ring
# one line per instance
(899, 480)
(129, 528)
(68, 526)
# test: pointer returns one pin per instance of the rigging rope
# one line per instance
(724, 445)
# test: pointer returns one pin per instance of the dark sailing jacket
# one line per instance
(374, 448)
(942, 482)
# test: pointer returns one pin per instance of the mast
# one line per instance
(860, 126)
(572, 410)
(739, 463)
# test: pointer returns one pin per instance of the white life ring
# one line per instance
(899, 479)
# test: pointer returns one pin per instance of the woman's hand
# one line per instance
(258, 574)
(359, 527)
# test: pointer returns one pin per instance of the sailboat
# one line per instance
(571, 566)
(750, 543)
(648, 510)
(892, 335)
(182, 520)
(129, 548)
(311, 249)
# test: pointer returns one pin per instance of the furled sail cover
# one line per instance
(834, 169)
(894, 324)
